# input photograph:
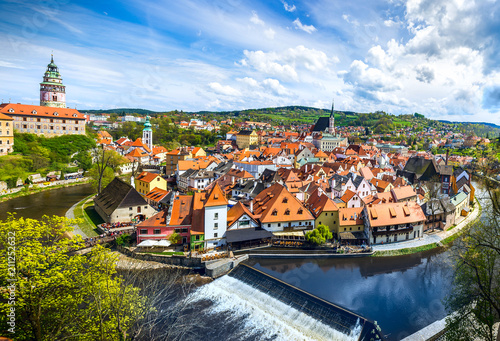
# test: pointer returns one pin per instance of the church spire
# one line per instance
(331, 123)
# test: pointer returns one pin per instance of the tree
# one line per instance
(84, 160)
(319, 235)
(175, 238)
(59, 295)
(104, 161)
(475, 298)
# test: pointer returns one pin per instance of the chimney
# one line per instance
(447, 155)
(232, 179)
(251, 206)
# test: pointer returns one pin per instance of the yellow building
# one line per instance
(325, 211)
(146, 182)
(6, 134)
(198, 152)
(246, 138)
(42, 120)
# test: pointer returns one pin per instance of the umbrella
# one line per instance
(163, 242)
(148, 242)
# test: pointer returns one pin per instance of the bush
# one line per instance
(124, 240)
(319, 235)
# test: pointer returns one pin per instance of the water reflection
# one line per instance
(53, 202)
(403, 294)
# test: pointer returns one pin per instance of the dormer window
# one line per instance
(56, 113)
(11, 110)
(75, 115)
(34, 112)
(285, 200)
(287, 212)
(299, 211)
(275, 212)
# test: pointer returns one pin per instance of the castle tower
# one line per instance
(52, 90)
(147, 134)
(331, 125)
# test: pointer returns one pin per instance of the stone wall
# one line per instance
(193, 262)
(222, 267)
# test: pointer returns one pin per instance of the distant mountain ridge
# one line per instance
(493, 125)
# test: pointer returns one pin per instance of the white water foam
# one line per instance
(264, 314)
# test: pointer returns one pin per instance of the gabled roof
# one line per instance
(351, 216)
(395, 213)
(182, 211)
(401, 193)
(277, 204)
(39, 111)
(348, 195)
(216, 197)
(157, 220)
(147, 176)
(157, 194)
(118, 194)
(318, 203)
(236, 212)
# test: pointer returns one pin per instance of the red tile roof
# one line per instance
(28, 110)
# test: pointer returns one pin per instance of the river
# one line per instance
(403, 294)
(51, 202)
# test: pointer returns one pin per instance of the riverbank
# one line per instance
(33, 189)
(429, 241)
(85, 227)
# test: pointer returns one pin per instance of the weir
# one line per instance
(336, 317)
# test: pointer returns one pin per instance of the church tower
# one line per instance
(52, 90)
(331, 125)
(147, 134)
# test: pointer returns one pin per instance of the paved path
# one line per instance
(430, 238)
(70, 214)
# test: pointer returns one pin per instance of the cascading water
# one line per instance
(265, 315)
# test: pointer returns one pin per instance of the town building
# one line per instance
(279, 210)
(246, 138)
(6, 134)
(146, 182)
(43, 120)
(172, 158)
(52, 90)
(119, 202)
(324, 137)
(392, 222)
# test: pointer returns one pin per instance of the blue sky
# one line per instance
(435, 57)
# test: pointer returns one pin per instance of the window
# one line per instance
(25, 119)
(215, 235)
(38, 120)
(156, 231)
(145, 207)
(144, 231)
(275, 212)
(279, 224)
(216, 216)
(268, 225)
(287, 212)
(130, 208)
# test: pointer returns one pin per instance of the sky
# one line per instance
(439, 58)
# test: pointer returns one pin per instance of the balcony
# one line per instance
(389, 231)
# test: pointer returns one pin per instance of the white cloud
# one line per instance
(256, 20)
(270, 33)
(224, 89)
(350, 20)
(275, 86)
(425, 73)
(4, 63)
(289, 8)
(306, 28)
(266, 63)
(249, 81)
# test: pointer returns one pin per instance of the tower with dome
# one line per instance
(147, 134)
(52, 90)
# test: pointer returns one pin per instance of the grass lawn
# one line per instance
(89, 217)
(407, 251)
